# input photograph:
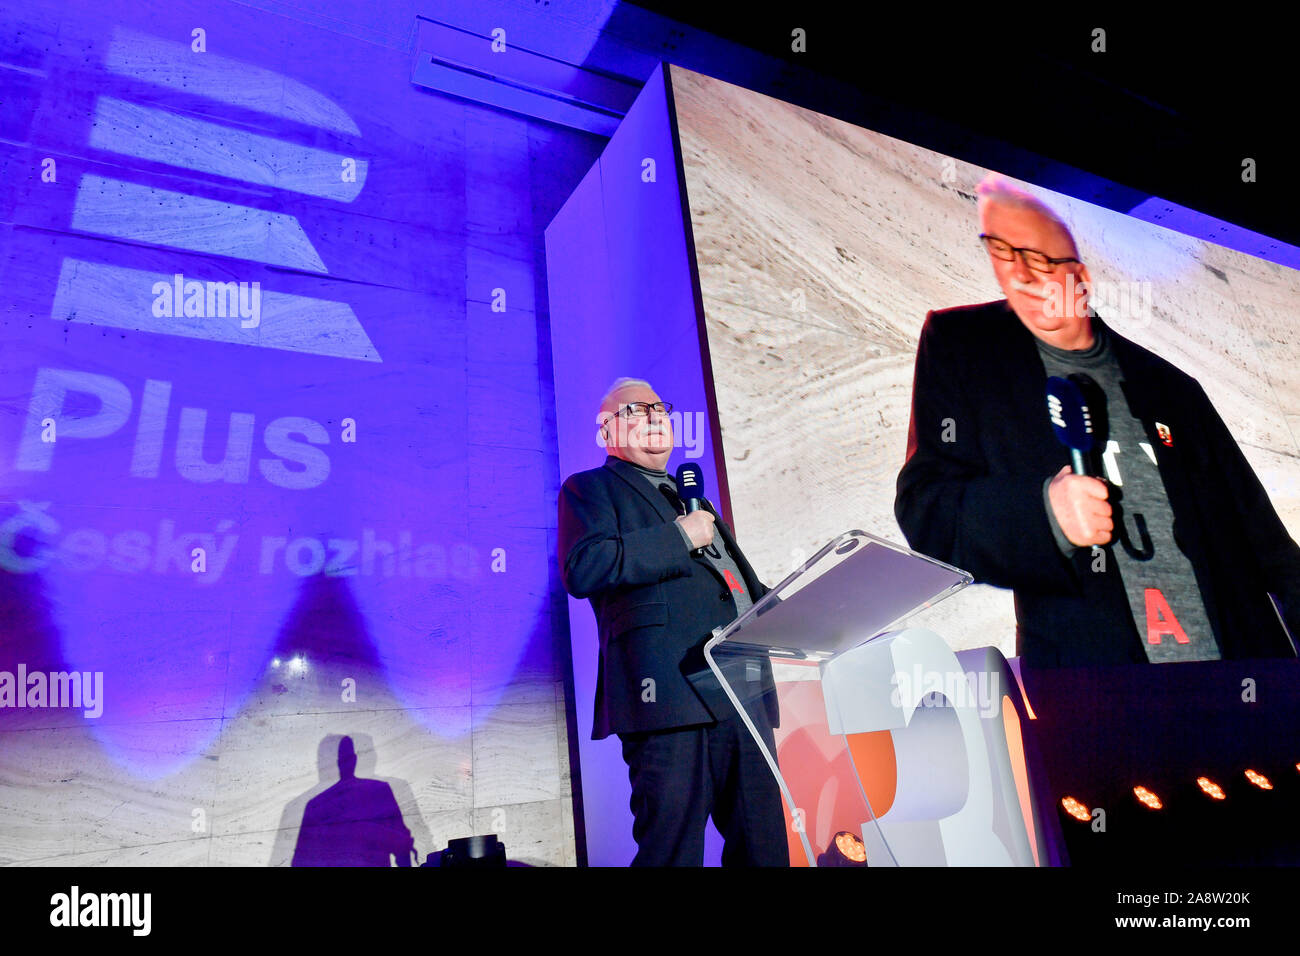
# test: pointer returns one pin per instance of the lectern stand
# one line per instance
(886, 735)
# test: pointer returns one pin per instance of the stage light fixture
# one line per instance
(1075, 809)
(1210, 788)
(1147, 798)
(845, 850)
(480, 852)
(1259, 780)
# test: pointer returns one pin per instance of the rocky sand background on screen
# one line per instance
(821, 247)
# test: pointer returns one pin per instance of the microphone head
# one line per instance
(690, 481)
(1068, 411)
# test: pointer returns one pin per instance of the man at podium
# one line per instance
(660, 580)
(1165, 548)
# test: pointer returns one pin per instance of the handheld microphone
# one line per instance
(690, 485)
(1071, 420)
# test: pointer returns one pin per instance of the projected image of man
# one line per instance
(1165, 548)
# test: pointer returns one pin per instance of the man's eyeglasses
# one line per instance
(640, 410)
(1035, 260)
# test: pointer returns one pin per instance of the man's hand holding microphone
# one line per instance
(1079, 501)
(698, 521)
(1081, 508)
(698, 525)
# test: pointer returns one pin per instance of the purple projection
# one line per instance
(236, 433)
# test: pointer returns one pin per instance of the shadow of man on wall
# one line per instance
(354, 822)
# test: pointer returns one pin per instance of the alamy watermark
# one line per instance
(1128, 302)
(978, 691)
(211, 300)
(687, 429)
(75, 908)
(55, 689)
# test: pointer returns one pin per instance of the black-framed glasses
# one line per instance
(1035, 260)
(640, 410)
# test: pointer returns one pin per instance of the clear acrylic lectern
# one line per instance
(888, 746)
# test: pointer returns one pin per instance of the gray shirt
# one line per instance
(1158, 578)
(716, 553)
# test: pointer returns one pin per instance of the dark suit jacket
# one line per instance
(976, 501)
(655, 601)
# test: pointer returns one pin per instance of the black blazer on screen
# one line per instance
(970, 493)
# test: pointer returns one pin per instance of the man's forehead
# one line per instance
(1027, 227)
(629, 393)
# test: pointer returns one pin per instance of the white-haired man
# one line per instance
(660, 581)
(1170, 558)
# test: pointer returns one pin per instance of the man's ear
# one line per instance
(1084, 278)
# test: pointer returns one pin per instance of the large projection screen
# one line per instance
(821, 246)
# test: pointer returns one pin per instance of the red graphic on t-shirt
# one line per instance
(732, 582)
(1161, 620)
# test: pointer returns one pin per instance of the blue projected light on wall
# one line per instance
(164, 217)
(164, 137)
(216, 310)
(237, 82)
(239, 431)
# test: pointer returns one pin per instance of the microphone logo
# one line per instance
(690, 484)
(1055, 411)
(1069, 414)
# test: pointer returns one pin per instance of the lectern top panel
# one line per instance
(852, 590)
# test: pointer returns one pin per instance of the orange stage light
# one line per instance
(1211, 788)
(1075, 809)
(1259, 780)
(1147, 798)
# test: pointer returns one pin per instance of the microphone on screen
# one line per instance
(1071, 419)
(690, 486)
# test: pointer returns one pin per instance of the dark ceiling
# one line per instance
(1171, 107)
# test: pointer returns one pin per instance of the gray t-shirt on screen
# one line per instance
(1158, 578)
